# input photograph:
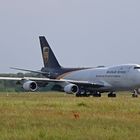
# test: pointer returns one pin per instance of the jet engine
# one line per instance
(71, 89)
(30, 86)
(138, 90)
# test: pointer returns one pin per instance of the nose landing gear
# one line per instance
(135, 94)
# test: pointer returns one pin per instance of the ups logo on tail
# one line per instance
(46, 54)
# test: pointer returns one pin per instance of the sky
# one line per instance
(81, 32)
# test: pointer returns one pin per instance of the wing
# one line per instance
(32, 83)
(11, 78)
(84, 84)
(47, 80)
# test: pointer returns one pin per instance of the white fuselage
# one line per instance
(115, 78)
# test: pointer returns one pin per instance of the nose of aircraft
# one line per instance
(137, 76)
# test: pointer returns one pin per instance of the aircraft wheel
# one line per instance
(78, 95)
(96, 94)
(134, 95)
(111, 94)
(82, 93)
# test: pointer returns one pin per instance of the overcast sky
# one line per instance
(80, 32)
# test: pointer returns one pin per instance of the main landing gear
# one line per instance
(95, 94)
(84, 93)
(111, 94)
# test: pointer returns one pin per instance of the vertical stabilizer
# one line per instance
(49, 58)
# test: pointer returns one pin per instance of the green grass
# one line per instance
(30, 116)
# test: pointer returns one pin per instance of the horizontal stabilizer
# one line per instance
(39, 72)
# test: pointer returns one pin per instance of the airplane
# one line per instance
(82, 81)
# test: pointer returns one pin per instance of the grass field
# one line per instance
(55, 116)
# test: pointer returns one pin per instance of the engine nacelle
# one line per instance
(138, 90)
(71, 89)
(30, 86)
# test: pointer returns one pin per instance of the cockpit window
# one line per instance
(136, 67)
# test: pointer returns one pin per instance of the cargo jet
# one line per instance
(82, 81)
